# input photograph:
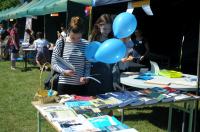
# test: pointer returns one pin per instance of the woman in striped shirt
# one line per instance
(72, 81)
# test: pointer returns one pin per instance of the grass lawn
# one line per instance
(17, 89)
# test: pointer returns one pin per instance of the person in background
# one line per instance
(4, 41)
(63, 32)
(140, 49)
(31, 36)
(72, 81)
(1, 32)
(13, 45)
(102, 30)
(41, 45)
(125, 62)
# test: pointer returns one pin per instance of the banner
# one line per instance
(27, 26)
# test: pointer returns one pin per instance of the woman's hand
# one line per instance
(68, 72)
(141, 58)
(124, 60)
(83, 80)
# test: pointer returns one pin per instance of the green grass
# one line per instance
(17, 90)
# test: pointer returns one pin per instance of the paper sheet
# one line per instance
(67, 64)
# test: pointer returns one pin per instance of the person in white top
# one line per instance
(63, 32)
(41, 45)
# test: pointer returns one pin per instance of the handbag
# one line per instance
(51, 82)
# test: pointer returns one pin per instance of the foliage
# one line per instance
(4, 4)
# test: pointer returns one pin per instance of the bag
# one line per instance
(51, 82)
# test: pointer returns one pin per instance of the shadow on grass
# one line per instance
(158, 116)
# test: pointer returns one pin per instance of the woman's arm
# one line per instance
(146, 45)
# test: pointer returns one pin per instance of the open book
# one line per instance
(89, 77)
(65, 63)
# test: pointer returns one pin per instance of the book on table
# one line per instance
(126, 97)
(109, 100)
(107, 123)
(148, 100)
(98, 103)
(88, 112)
(77, 103)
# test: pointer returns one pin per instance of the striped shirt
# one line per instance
(75, 54)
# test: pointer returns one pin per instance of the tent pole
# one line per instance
(90, 23)
(44, 27)
(198, 84)
(67, 15)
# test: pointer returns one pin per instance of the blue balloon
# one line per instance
(90, 51)
(111, 51)
(124, 25)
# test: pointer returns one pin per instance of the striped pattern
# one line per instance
(75, 54)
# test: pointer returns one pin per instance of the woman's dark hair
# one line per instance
(28, 31)
(133, 36)
(76, 25)
(39, 35)
(102, 20)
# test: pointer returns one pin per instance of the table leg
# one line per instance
(191, 110)
(25, 61)
(183, 122)
(39, 121)
(122, 110)
(170, 119)
(122, 115)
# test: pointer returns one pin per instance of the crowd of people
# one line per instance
(75, 82)
(10, 45)
(71, 47)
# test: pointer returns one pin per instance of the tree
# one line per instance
(4, 4)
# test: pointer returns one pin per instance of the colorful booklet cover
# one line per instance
(159, 90)
(138, 102)
(71, 104)
(107, 123)
(83, 98)
(168, 98)
(88, 112)
(148, 100)
(112, 102)
(104, 121)
(109, 100)
(171, 90)
(98, 103)
(61, 115)
(125, 97)
(80, 124)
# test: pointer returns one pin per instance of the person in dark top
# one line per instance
(140, 49)
(31, 34)
(102, 30)
(14, 45)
